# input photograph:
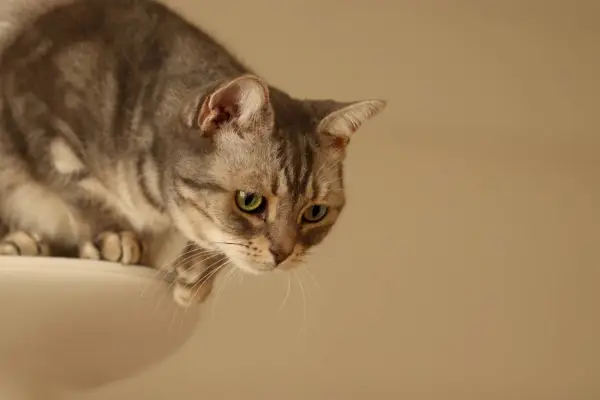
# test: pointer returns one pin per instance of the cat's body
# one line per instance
(119, 72)
(119, 116)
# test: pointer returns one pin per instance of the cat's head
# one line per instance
(261, 180)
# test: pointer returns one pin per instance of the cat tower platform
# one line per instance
(73, 325)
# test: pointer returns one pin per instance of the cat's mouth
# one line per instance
(252, 268)
(236, 254)
(256, 265)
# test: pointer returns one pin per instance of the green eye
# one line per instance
(314, 214)
(250, 202)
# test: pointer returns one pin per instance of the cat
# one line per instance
(127, 134)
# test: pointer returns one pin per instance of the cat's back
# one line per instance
(118, 26)
(142, 34)
(96, 72)
(97, 64)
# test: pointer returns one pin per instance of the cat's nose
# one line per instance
(280, 253)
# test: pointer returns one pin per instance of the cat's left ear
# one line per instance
(346, 119)
(241, 100)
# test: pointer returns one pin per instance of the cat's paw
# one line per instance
(187, 295)
(120, 247)
(25, 244)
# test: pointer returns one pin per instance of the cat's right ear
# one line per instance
(240, 101)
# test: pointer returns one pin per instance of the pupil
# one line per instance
(315, 211)
(249, 200)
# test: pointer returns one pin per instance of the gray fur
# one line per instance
(119, 115)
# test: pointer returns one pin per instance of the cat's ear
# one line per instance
(345, 119)
(242, 100)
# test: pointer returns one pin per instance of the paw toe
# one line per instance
(188, 295)
(23, 244)
(89, 251)
(8, 248)
(109, 246)
(122, 247)
(183, 295)
(130, 248)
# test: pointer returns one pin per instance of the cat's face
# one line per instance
(270, 186)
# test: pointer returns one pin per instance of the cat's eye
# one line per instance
(250, 202)
(315, 213)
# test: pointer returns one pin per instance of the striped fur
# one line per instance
(118, 115)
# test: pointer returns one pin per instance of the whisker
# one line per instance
(202, 253)
(207, 278)
(196, 252)
(193, 266)
(305, 309)
(230, 243)
(168, 289)
(201, 282)
(152, 281)
(313, 278)
(193, 250)
(288, 290)
(161, 270)
(226, 281)
(209, 271)
(175, 313)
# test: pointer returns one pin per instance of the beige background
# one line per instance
(467, 263)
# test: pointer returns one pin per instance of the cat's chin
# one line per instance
(238, 261)
(250, 269)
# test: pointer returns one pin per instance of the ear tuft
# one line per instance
(345, 121)
(241, 100)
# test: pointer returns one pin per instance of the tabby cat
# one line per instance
(129, 135)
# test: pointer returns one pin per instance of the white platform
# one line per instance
(75, 325)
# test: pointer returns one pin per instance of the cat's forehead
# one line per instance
(292, 115)
(303, 170)
(286, 160)
(285, 163)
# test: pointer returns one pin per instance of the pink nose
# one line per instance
(280, 254)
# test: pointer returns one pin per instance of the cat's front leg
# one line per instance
(122, 247)
(21, 243)
(186, 294)
(196, 274)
